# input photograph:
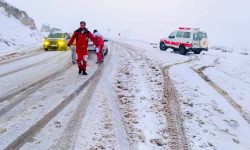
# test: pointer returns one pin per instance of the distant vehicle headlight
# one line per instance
(61, 43)
(46, 42)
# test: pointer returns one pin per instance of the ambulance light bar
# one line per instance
(187, 28)
(184, 28)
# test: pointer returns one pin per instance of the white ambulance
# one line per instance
(184, 40)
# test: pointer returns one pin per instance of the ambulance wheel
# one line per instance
(175, 49)
(197, 51)
(46, 49)
(163, 47)
(183, 50)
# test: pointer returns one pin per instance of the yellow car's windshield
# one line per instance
(56, 35)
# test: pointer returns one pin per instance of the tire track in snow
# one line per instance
(173, 113)
(35, 128)
(119, 129)
(175, 128)
(222, 92)
(127, 100)
(34, 84)
(69, 135)
(29, 66)
(9, 60)
(19, 97)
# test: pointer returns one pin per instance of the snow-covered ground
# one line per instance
(211, 122)
(16, 37)
(230, 71)
(141, 98)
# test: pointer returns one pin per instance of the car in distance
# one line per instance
(91, 47)
(56, 41)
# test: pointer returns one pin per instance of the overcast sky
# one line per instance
(227, 22)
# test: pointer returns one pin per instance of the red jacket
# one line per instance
(99, 39)
(81, 36)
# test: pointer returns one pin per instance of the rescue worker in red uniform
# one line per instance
(99, 46)
(81, 36)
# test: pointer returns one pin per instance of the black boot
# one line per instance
(84, 73)
(80, 71)
(99, 62)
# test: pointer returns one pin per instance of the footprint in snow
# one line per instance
(58, 124)
(31, 140)
(218, 110)
(232, 123)
(2, 130)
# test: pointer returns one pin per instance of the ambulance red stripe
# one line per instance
(177, 43)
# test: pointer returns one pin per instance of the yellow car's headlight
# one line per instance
(46, 43)
(61, 43)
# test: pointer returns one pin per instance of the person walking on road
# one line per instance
(99, 47)
(73, 52)
(81, 35)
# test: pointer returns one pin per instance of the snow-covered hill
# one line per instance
(17, 29)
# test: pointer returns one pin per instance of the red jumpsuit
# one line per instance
(81, 36)
(99, 45)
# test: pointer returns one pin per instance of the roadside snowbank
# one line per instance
(14, 36)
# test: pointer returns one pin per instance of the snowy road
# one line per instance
(140, 98)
